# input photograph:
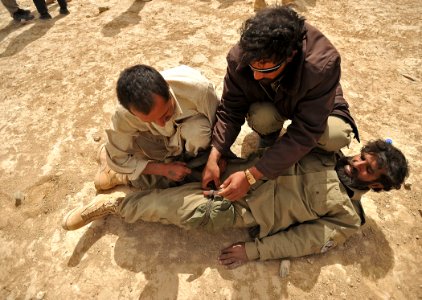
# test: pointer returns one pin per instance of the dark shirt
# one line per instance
(307, 93)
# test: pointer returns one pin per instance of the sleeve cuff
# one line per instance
(251, 250)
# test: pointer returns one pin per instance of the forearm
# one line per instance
(155, 168)
(304, 239)
(214, 156)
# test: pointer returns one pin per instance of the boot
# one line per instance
(22, 15)
(106, 178)
(101, 206)
(259, 4)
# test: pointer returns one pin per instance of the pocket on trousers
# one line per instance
(213, 216)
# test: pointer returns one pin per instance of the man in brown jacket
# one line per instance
(281, 69)
(311, 207)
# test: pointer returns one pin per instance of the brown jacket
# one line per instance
(308, 92)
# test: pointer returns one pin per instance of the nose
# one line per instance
(360, 165)
(258, 75)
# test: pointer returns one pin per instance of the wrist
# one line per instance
(249, 177)
(256, 174)
(214, 156)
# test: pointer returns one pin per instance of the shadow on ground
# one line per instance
(163, 252)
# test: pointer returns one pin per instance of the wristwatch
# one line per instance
(249, 177)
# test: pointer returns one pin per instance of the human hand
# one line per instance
(234, 187)
(176, 171)
(211, 174)
(233, 256)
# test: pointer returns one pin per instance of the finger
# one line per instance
(208, 193)
(227, 182)
(227, 193)
(224, 256)
(217, 181)
(235, 264)
(227, 261)
(205, 183)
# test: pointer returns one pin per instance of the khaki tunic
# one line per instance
(305, 210)
(133, 143)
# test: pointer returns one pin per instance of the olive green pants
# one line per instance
(265, 119)
(187, 207)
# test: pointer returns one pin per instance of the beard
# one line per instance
(266, 81)
(350, 181)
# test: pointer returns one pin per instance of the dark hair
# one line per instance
(272, 34)
(137, 85)
(392, 159)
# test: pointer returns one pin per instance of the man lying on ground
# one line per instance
(313, 206)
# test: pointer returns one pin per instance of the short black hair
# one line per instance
(137, 85)
(390, 158)
(272, 35)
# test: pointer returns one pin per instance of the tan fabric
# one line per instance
(264, 118)
(133, 143)
(337, 135)
(305, 210)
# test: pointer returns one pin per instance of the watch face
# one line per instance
(249, 177)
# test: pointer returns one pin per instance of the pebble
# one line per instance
(40, 295)
(284, 268)
(19, 197)
(102, 9)
(97, 138)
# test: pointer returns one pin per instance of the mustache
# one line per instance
(350, 181)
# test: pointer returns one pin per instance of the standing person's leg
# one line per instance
(337, 135)
(42, 9)
(17, 13)
(63, 7)
(10, 5)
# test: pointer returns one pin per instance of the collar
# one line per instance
(178, 109)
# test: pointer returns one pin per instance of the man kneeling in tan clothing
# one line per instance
(313, 206)
(162, 121)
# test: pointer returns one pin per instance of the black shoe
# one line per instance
(45, 16)
(64, 11)
(22, 15)
(268, 140)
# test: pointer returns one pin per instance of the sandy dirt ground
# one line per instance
(58, 93)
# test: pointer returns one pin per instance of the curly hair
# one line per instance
(137, 85)
(390, 158)
(272, 35)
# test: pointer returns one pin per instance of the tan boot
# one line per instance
(102, 205)
(106, 178)
(259, 4)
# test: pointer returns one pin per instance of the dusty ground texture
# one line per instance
(57, 96)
